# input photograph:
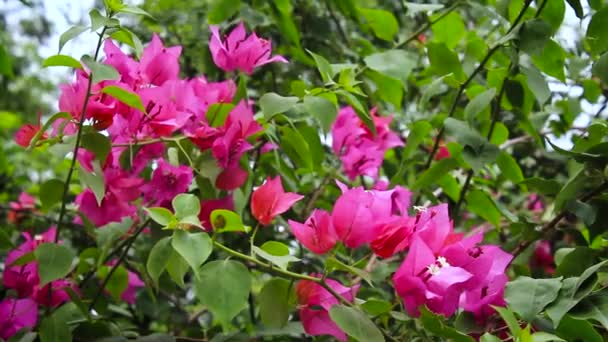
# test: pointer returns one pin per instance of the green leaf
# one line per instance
(134, 10)
(51, 192)
(97, 143)
(435, 88)
(481, 204)
(272, 104)
(186, 205)
(600, 68)
(217, 113)
(528, 296)
(382, 22)
(118, 282)
(533, 36)
(95, 181)
(129, 98)
(70, 34)
(537, 84)
(54, 261)
(98, 20)
(280, 260)
(195, 248)
(434, 173)
(444, 61)
(449, 30)
(160, 215)
(334, 264)
(275, 248)
(376, 307)
(554, 14)
(419, 131)
(552, 60)
(224, 287)
(478, 104)
(53, 329)
(387, 88)
(355, 323)
(571, 189)
(477, 150)
(100, 72)
(158, 258)
(397, 64)
(226, 221)
(594, 307)
(296, 147)
(597, 35)
(543, 186)
(437, 325)
(361, 111)
(575, 262)
(47, 125)
(487, 337)
(324, 67)
(508, 316)
(577, 330)
(127, 36)
(585, 212)
(414, 8)
(275, 298)
(61, 60)
(221, 10)
(108, 234)
(509, 167)
(6, 64)
(323, 110)
(177, 268)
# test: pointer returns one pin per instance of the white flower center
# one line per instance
(420, 209)
(435, 268)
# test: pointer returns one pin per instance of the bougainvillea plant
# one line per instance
(209, 208)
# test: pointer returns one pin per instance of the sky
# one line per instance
(66, 13)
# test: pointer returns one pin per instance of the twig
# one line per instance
(553, 223)
(428, 25)
(117, 264)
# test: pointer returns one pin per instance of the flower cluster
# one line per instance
(173, 106)
(442, 269)
(360, 150)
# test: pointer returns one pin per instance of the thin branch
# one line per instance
(428, 25)
(553, 223)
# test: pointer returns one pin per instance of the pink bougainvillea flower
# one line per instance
(427, 278)
(231, 178)
(317, 233)
(158, 63)
(208, 206)
(535, 203)
(394, 236)
(270, 200)
(57, 296)
(27, 132)
(315, 303)
(17, 314)
(111, 209)
(360, 151)
(167, 181)
(24, 278)
(442, 153)
(239, 51)
(542, 258)
(358, 212)
(24, 203)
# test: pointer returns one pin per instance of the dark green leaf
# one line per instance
(552, 60)
(98, 20)
(435, 172)
(275, 298)
(376, 307)
(509, 167)
(118, 282)
(437, 325)
(577, 330)
(52, 329)
(477, 150)
(222, 10)
(449, 30)
(478, 104)
(323, 66)
(600, 68)
(54, 261)
(95, 181)
(355, 323)
(533, 36)
(537, 84)
(575, 262)
(508, 316)
(177, 268)
(361, 111)
(51, 192)
(543, 186)
(481, 204)
(444, 61)
(577, 7)
(528, 296)
(594, 307)
(97, 143)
